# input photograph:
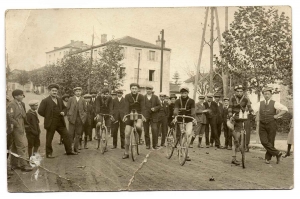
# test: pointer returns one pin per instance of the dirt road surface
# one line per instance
(93, 171)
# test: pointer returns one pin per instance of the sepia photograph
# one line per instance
(149, 99)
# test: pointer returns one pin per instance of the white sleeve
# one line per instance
(280, 107)
(255, 107)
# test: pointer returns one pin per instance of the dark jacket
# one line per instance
(155, 103)
(46, 110)
(118, 108)
(171, 111)
(89, 113)
(225, 113)
(165, 107)
(220, 115)
(104, 106)
(214, 109)
(33, 123)
(131, 104)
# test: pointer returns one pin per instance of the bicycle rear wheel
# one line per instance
(170, 143)
(103, 141)
(134, 145)
(183, 149)
(137, 137)
(243, 147)
(98, 137)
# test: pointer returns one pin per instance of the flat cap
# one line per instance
(149, 86)
(162, 95)
(134, 84)
(77, 88)
(33, 102)
(238, 87)
(201, 97)
(209, 95)
(86, 96)
(225, 99)
(17, 92)
(119, 91)
(53, 86)
(217, 95)
(182, 89)
(173, 96)
(267, 89)
(65, 96)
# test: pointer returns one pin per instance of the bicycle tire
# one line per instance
(183, 149)
(137, 138)
(243, 147)
(103, 141)
(133, 145)
(98, 137)
(170, 143)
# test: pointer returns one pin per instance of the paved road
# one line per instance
(109, 172)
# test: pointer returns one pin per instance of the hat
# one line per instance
(173, 96)
(209, 95)
(201, 97)
(267, 89)
(105, 90)
(167, 97)
(113, 93)
(217, 95)
(77, 88)
(86, 96)
(225, 99)
(238, 87)
(65, 96)
(162, 95)
(53, 86)
(149, 86)
(184, 89)
(134, 84)
(33, 102)
(17, 92)
(119, 91)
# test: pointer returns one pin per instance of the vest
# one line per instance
(267, 112)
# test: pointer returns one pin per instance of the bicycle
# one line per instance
(134, 136)
(102, 142)
(243, 140)
(172, 141)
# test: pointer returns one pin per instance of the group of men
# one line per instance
(156, 114)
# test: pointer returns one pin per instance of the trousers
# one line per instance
(212, 122)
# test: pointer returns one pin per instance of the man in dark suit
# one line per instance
(163, 115)
(211, 121)
(93, 103)
(151, 106)
(118, 114)
(53, 110)
(217, 97)
(227, 134)
(173, 98)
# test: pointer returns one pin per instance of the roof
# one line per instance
(201, 77)
(74, 44)
(127, 41)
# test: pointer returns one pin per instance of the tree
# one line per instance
(176, 77)
(259, 47)
(23, 78)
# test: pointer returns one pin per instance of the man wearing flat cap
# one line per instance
(17, 114)
(173, 98)
(227, 134)
(53, 110)
(151, 108)
(87, 126)
(76, 113)
(267, 110)
(163, 114)
(211, 116)
(93, 103)
(118, 114)
(217, 97)
(65, 99)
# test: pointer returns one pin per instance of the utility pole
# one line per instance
(211, 75)
(162, 58)
(138, 72)
(200, 54)
(89, 79)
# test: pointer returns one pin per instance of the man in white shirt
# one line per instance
(267, 123)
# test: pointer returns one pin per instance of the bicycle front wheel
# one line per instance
(134, 145)
(170, 143)
(183, 149)
(103, 141)
(243, 147)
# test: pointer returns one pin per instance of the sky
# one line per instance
(31, 33)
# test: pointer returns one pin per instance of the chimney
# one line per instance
(158, 41)
(72, 41)
(103, 38)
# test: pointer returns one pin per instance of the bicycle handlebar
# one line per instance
(129, 115)
(183, 116)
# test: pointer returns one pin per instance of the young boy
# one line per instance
(32, 128)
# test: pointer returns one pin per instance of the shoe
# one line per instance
(267, 161)
(26, 169)
(235, 162)
(188, 158)
(207, 146)
(122, 147)
(147, 147)
(106, 149)
(286, 155)
(225, 147)
(219, 147)
(278, 157)
(155, 147)
(50, 156)
(229, 148)
(72, 153)
(113, 147)
(125, 156)
(163, 145)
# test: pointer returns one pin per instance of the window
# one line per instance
(151, 75)
(152, 55)
(137, 52)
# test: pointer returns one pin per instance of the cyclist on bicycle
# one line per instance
(236, 103)
(104, 105)
(185, 106)
(133, 101)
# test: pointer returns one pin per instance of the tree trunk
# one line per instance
(211, 50)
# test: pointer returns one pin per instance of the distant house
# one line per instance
(12, 83)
